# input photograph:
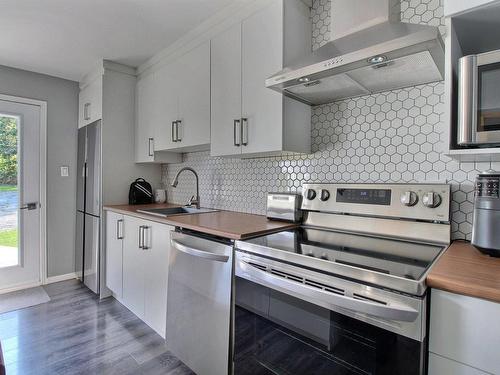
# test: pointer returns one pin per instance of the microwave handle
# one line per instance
(467, 100)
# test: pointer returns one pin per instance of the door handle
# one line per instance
(119, 229)
(236, 126)
(177, 137)
(244, 131)
(30, 206)
(150, 150)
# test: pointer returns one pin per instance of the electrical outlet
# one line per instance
(64, 171)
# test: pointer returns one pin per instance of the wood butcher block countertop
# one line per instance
(228, 224)
(462, 269)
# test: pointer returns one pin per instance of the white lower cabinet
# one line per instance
(114, 253)
(464, 335)
(133, 267)
(157, 241)
(143, 266)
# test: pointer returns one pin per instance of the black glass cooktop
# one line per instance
(399, 258)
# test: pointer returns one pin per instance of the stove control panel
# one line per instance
(411, 201)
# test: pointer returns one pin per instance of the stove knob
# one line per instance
(324, 256)
(431, 199)
(325, 195)
(311, 194)
(409, 198)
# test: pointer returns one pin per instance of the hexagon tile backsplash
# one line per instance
(395, 136)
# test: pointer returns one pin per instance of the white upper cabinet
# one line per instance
(193, 89)
(151, 123)
(173, 106)
(248, 119)
(226, 92)
(144, 138)
(90, 102)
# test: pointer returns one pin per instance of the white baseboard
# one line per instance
(56, 279)
(17, 287)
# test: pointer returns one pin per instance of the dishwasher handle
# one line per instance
(198, 253)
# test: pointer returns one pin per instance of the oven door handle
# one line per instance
(198, 253)
(391, 311)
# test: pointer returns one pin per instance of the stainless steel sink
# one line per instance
(171, 211)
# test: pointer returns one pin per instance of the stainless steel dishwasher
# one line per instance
(200, 277)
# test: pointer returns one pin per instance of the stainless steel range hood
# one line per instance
(375, 53)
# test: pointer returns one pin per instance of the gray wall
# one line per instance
(62, 115)
(396, 136)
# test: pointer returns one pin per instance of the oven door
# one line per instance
(479, 99)
(280, 329)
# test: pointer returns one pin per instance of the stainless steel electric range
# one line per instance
(345, 292)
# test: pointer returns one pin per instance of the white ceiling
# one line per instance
(66, 38)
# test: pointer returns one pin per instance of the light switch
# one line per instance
(64, 171)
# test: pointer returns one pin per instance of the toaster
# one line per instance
(284, 207)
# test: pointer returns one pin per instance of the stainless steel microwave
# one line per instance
(479, 99)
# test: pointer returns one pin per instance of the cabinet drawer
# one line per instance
(466, 330)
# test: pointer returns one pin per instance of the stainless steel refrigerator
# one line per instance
(88, 206)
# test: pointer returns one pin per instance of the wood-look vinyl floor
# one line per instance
(76, 333)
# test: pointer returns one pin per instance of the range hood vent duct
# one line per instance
(370, 51)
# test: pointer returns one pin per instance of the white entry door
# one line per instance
(20, 231)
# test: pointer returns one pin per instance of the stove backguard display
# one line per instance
(365, 196)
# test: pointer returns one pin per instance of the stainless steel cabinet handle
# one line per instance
(173, 132)
(86, 111)
(236, 126)
(393, 312)
(144, 246)
(244, 131)
(150, 147)
(198, 253)
(119, 229)
(177, 137)
(141, 237)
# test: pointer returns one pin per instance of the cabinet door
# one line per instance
(165, 106)
(262, 56)
(133, 267)
(114, 252)
(157, 240)
(144, 138)
(466, 330)
(226, 92)
(193, 87)
(90, 103)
